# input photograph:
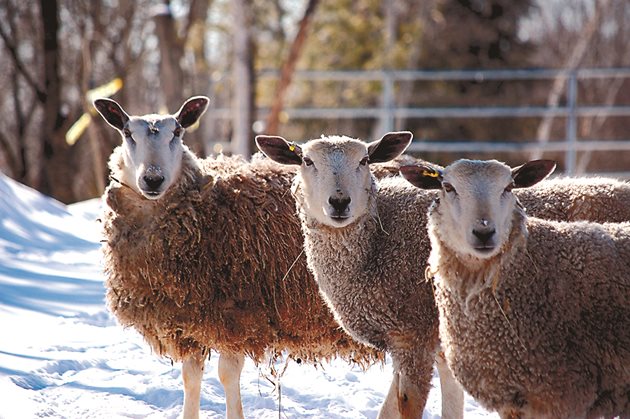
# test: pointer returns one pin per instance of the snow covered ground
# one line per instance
(62, 355)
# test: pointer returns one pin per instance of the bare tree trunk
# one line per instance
(573, 61)
(15, 147)
(17, 165)
(55, 166)
(288, 68)
(198, 74)
(197, 14)
(172, 75)
(171, 53)
(123, 67)
(98, 167)
(243, 79)
(12, 48)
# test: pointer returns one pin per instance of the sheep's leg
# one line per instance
(192, 373)
(230, 367)
(389, 409)
(509, 413)
(452, 392)
(406, 397)
(413, 391)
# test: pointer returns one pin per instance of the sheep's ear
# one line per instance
(112, 112)
(279, 150)
(191, 111)
(422, 176)
(392, 145)
(532, 172)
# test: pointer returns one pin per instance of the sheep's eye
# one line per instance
(127, 134)
(307, 161)
(365, 160)
(509, 187)
(178, 131)
(448, 187)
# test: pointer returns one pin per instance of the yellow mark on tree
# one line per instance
(106, 90)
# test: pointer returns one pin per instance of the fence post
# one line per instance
(387, 118)
(571, 153)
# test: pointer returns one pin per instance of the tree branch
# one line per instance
(171, 53)
(288, 68)
(10, 46)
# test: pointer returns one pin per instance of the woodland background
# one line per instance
(52, 52)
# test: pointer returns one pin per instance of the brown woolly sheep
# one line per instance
(596, 199)
(534, 314)
(360, 243)
(206, 254)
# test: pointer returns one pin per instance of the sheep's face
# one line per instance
(152, 144)
(475, 209)
(335, 180)
(152, 153)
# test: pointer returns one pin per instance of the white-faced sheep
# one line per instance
(205, 254)
(364, 247)
(534, 314)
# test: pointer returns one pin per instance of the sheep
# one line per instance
(597, 199)
(204, 254)
(355, 238)
(534, 314)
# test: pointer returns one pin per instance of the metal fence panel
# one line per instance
(386, 113)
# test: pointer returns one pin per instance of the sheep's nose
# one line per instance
(153, 181)
(339, 204)
(484, 235)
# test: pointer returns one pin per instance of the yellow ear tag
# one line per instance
(291, 147)
(430, 174)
